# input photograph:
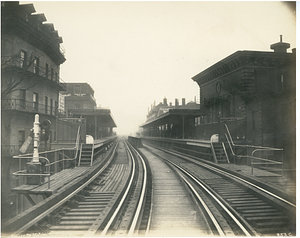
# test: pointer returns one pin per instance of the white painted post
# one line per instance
(36, 139)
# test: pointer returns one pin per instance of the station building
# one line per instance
(254, 94)
(170, 121)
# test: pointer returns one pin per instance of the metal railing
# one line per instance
(35, 69)
(253, 159)
(57, 160)
(28, 106)
(23, 173)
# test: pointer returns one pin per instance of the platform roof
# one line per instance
(103, 115)
(174, 116)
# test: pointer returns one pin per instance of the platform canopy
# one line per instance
(103, 116)
(173, 116)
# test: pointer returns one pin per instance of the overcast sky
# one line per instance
(135, 53)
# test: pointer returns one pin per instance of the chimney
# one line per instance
(183, 102)
(176, 102)
(280, 47)
(165, 102)
(170, 104)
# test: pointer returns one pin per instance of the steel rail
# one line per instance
(251, 184)
(208, 211)
(126, 193)
(233, 217)
(142, 197)
(238, 178)
(51, 209)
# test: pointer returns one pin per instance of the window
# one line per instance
(56, 108)
(21, 138)
(52, 73)
(56, 77)
(23, 59)
(280, 83)
(36, 65)
(46, 104)
(23, 98)
(51, 106)
(35, 100)
(47, 71)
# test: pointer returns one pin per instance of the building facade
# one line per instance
(79, 102)
(254, 94)
(78, 96)
(31, 56)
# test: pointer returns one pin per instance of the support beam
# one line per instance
(30, 199)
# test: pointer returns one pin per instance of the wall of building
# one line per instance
(12, 46)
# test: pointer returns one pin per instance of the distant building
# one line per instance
(30, 59)
(78, 96)
(79, 102)
(176, 121)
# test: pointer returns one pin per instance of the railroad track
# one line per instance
(119, 201)
(247, 208)
(110, 203)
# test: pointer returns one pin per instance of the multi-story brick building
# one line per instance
(31, 56)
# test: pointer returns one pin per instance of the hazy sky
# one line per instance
(135, 53)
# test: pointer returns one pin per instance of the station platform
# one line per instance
(102, 141)
(57, 181)
(62, 178)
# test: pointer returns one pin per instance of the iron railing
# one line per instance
(263, 161)
(57, 160)
(28, 106)
(33, 69)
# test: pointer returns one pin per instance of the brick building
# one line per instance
(254, 94)
(31, 56)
